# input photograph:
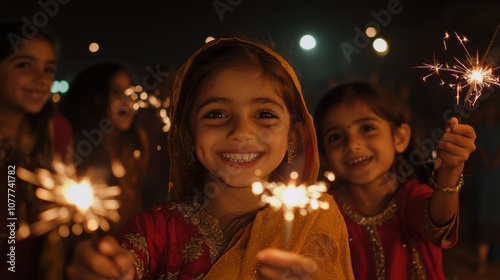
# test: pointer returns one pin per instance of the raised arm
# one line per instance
(454, 149)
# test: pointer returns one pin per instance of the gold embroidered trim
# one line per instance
(417, 266)
(432, 231)
(139, 243)
(192, 249)
(388, 212)
(370, 224)
(208, 226)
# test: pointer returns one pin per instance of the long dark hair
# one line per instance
(12, 38)
(385, 105)
(86, 105)
(206, 64)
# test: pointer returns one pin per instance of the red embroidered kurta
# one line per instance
(191, 239)
(401, 242)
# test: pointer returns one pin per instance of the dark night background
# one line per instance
(144, 34)
(147, 33)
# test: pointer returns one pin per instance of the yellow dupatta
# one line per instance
(321, 235)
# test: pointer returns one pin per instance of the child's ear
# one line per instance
(402, 137)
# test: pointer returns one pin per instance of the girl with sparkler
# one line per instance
(238, 117)
(397, 224)
(109, 145)
(27, 126)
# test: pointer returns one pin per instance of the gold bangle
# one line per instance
(449, 190)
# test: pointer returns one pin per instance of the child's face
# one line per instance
(120, 111)
(359, 145)
(240, 127)
(26, 77)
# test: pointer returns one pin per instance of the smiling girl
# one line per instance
(27, 127)
(238, 117)
(397, 224)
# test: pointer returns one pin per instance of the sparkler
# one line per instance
(290, 197)
(76, 205)
(472, 73)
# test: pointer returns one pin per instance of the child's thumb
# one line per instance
(451, 123)
(108, 246)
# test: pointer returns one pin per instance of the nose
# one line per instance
(242, 129)
(42, 77)
(353, 143)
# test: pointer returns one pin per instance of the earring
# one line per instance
(291, 153)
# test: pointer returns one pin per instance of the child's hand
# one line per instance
(107, 260)
(456, 145)
(278, 264)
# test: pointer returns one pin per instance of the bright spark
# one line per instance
(470, 73)
(75, 204)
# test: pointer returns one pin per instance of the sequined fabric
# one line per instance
(401, 242)
(320, 235)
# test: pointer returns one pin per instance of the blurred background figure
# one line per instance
(27, 127)
(109, 146)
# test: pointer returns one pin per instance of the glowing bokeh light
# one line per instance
(63, 86)
(56, 98)
(55, 87)
(380, 45)
(307, 42)
(371, 32)
(94, 47)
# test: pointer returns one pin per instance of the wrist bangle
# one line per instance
(449, 190)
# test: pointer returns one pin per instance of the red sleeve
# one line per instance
(145, 237)
(166, 240)
(62, 135)
(414, 198)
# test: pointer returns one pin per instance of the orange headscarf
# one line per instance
(321, 235)
(306, 161)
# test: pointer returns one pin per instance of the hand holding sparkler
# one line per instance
(277, 264)
(289, 197)
(104, 260)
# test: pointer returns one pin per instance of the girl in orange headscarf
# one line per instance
(238, 117)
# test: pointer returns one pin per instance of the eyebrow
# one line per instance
(222, 100)
(211, 100)
(265, 100)
(355, 122)
(30, 57)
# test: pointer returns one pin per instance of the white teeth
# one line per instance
(237, 157)
(357, 160)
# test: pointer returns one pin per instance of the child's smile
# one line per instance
(26, 77)
(355, 142)
(241, 125)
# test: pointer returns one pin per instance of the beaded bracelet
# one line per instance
(449, 190)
